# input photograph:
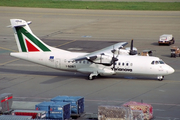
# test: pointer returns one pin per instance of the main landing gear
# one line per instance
(160, 78)
(93, 75)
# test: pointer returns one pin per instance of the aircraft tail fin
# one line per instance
(25, 39)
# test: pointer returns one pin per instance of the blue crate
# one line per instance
(55, 110)
(44, 106)
(77, 103)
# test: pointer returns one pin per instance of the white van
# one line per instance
(167, 39)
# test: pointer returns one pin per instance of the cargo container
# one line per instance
(77, 103)
(147, 109)
(138, 115)
(55, 110)
(35, 114)
(6, 102)
(45, 106)
(107, 112)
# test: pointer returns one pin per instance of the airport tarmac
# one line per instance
(90, 30)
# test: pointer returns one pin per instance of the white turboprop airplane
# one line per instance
(104, 62)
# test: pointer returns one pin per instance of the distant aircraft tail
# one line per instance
(25, 39)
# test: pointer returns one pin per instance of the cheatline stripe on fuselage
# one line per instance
(20, 31)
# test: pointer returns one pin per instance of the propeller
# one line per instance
(132, 52)
(102, 58)
(114, 59)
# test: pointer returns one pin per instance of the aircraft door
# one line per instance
(57, 63)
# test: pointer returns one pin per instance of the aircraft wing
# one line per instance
(103, 56)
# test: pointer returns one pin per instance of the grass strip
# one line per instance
(69, 4)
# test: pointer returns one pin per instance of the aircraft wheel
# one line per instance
(160, 78)
(91, 77)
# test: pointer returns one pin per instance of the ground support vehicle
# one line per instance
(146, 53)
(76, 102)
(55, 110)
(6, 100)
(175, 51)
(35, 114)
(107, 112)
(166, 39)
(147, 109)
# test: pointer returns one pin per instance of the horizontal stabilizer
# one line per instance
(18, 23)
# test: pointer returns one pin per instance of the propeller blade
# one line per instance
(113, 51)
(132, 52)
(132, 45)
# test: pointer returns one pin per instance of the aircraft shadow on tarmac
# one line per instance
(68, 75)
(15, 71)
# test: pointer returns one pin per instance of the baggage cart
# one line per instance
(146, 53)
(106, 112)
(6, 102)
(147, 109)
(14, 117)
(138, 115)
(35, 114)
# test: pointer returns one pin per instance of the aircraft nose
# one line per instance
(170, 70)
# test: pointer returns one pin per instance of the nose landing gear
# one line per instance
(160, 78)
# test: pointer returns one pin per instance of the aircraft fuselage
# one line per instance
(132, 65)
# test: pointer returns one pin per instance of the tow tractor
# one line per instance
(175, 51)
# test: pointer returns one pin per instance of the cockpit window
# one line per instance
(157, 62)
(161, 62)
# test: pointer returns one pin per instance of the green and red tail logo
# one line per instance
(28, 42)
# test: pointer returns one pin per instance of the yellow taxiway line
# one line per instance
(66, 43)
(9, 62)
